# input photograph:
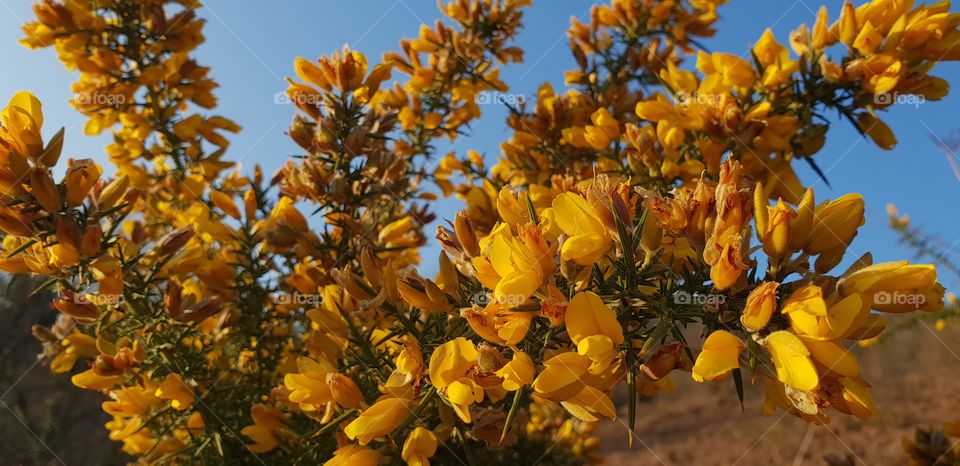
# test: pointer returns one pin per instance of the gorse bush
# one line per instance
(235, 318)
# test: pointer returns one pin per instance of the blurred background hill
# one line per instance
(702, 424)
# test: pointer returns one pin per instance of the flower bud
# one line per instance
(761, 212)
(821, 39)
(846, 27)
(200, 311)
(801, 223)
(729, 266)
(423, 293)
(666, 359)
(75, 305)
(371, 269)
(761, 302)
(113, 192)
(345, 392)
(44, 190)
(466, 234)
(250, 204)
(174, 240)
(90, 241)
(776, 238)
(828, 260)
(447, 278)
(15, 223)
(835, 223)
(81, 176)
(172, 300)
(51, 153)
(877, 131)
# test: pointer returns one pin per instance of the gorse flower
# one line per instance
(656, 194)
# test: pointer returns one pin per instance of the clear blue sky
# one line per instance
(251, 46)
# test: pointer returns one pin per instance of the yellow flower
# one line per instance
(90, 380)
(587, 239)
(809, 315)
(22, 120)
(497, 324)
(857, 399)
(513, 208)
(896, 287)
(733, 70)
(655, 111)
(354, 455)
(833, 356)
(889, 276)
(868, 39)
(266, 428)
(263, 439)
(514, 267)
(561, 377)
(132, 401)
(409, 367)
(590, 404)
(284, 213)
(518, 372)
(720, 355)
(777, 136)
(775, 59)
(792, 360)
(594, 328)
(597, 136)
(172, 388)
(309, 387)
(761, 302)
(420, 445)
(605, 128)
(451, 370)
(378, 420)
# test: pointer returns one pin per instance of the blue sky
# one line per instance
(251, 47)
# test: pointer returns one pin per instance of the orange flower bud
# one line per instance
(81, 176)
(44, 190)
(761, 303)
